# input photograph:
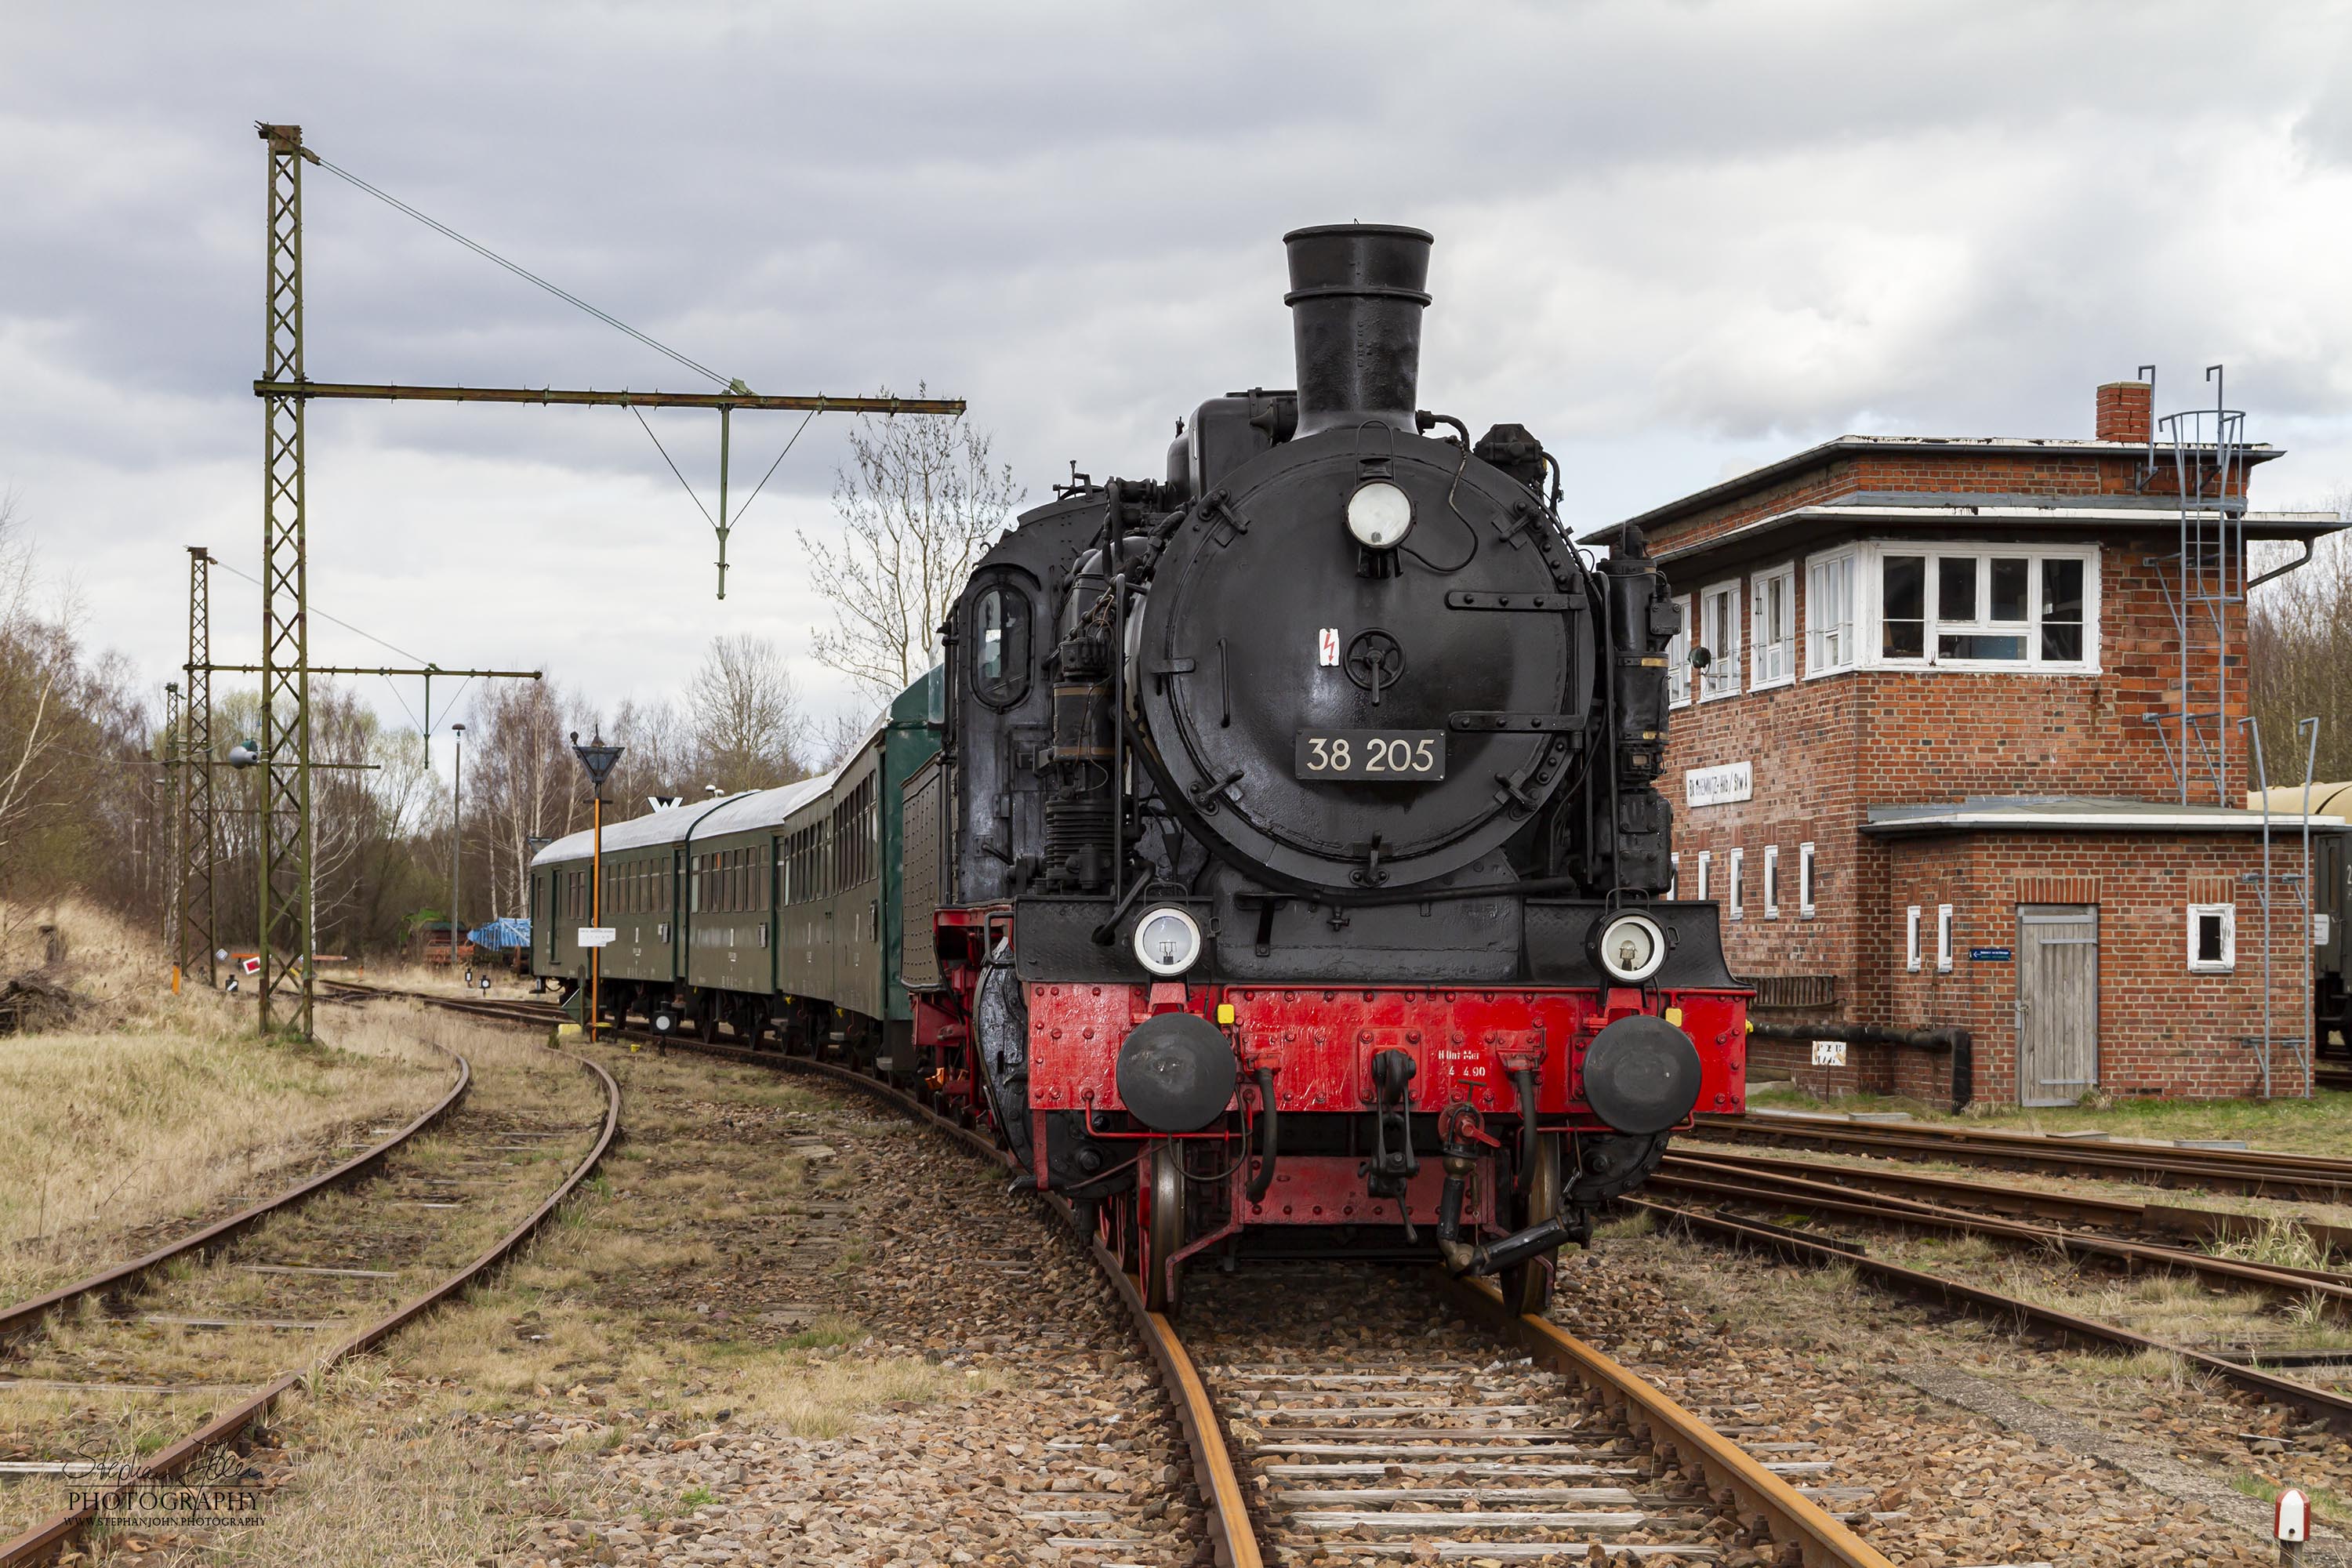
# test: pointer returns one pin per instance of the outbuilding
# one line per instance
(1958, 744)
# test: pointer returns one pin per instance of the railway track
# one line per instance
(313, 1287)
(1893, 1198)
(1516, 1443)
(2253, 1172)
(25, 1319)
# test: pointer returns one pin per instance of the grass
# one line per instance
(2281, 1241)
(2320, 1125)
(150, 1109)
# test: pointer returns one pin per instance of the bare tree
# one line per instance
(2299, 655)
(744, 715)
(917, 503)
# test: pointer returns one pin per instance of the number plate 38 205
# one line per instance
(1375, 756)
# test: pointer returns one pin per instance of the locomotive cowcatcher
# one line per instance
(1295, 868)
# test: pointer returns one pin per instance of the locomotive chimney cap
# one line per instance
(1328, 258)
(1357, 291)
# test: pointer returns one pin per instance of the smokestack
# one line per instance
(1356, 297)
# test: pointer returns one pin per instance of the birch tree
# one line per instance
(918, 503)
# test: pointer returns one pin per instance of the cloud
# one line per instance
(1674, 240)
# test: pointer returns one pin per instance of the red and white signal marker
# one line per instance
(2292, 1524)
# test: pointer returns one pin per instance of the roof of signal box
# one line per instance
(1913, 507)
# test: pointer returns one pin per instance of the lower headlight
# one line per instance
(1630, 947)
(1167, 941)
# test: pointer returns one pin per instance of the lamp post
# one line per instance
(456, 832)
(597, 759)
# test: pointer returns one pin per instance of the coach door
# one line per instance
(2057, 1003)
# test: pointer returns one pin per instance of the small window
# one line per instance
(1735, 894)
(1829, 615)
(1943, 939)
(1718, 615)
(1674, 876)
(1000, 651)
(1911, 939)
(1705, 862)
(1771, 599)
(2212, 938)
(1805, 880)
(1771, 881)
(1903, 607)
(1678, 672)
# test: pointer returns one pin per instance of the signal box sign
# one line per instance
(1723, 785)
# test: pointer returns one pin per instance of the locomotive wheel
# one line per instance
(1527, 1287)
(1163, 1224)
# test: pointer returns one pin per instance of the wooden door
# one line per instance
(2057, 1003)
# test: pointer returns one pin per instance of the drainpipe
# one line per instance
(1958, 1041)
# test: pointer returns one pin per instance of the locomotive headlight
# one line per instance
(1379, 515)
(1630, 946)
(1167, 941)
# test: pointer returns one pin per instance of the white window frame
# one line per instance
(1771, 881)
(1733, 863)
(1772, 661)
(1911, 939)
(1673, 874)
(1832, 647)
(1805, 883)
(2229, 916)
(1720, 679)
(1705, 863)
(1943, 939)
(1678, 669)
(1871, 594)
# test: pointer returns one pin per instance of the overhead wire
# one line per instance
(673, 466)
(521, 271)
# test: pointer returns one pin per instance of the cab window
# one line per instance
(999, 644)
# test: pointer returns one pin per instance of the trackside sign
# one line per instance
(1719, 785)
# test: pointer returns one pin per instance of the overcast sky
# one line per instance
(1674, 240)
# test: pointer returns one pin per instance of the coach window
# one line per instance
(1000, 637)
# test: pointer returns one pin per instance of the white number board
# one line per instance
(1718, 785)
(597, 936)
(1829, 1053)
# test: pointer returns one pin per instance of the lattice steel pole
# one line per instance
(174, 859)
(200, 902)
(286, 889)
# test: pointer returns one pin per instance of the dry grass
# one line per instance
(477, 1155)
(151, 1108)
(2320, 1125)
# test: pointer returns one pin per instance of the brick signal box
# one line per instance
(1932, 767)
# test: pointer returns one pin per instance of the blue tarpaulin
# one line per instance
(501, 935)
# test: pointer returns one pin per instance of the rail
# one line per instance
(1822, 1540)
(22, 1319)
(43, 1539)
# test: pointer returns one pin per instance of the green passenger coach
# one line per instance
(774, 915)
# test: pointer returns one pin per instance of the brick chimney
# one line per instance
(2127, 409)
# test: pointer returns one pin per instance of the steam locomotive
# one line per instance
(1275, 861)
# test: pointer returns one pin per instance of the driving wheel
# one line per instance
(1162, 1197)
(1527, 1287)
